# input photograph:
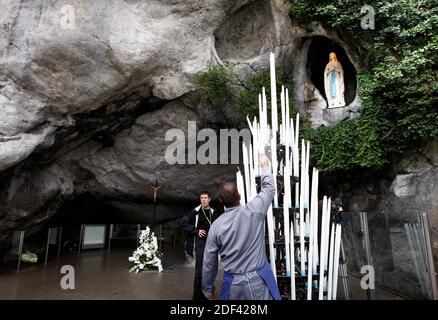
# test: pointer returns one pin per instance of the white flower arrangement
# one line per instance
(146, 256)
(29, 257)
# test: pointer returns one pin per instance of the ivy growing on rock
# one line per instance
(219, 83)
(398, 86)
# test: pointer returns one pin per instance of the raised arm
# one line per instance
(210, 263)
(262, 201)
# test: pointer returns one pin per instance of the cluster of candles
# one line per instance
(321, 254)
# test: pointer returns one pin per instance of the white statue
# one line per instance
(334, 82)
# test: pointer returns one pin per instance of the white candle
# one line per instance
(283, 116)
(249, 125)
(287, 120)
(240, 186)
(286, 202)
(315, 224)
(323, 255)
(265, 129)
(290, 175)
(302, 225)
(274, 165)
(306, 204)
(327, 225)
(260, 108)
(246, 168)
(311, 239)
(292, 141)
(253, 188)
(314, 218)
(296, 166)
(292, 260)
(255, 148)
(273, 93)
(251, 164)
(262, 119)
(336, 260)
(297, 129)
(305, 183)
(331, 261)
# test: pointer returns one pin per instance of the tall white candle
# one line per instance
(261, 109)
(246, 169)
(307, 174)
(297, 129)
(328, 223)
(265, 132)
(283, 116)
(315, 224)
(331, 261)
(286, 202)
(274, 164)
(292, 259)
(240, 186)
(302, 225)
(296, 163)
(273, 93)
(256, 143)
(323, 255)
(249, 124)
(287, 119)
(253, 188)
(336, 260)
(262, 119)
(310, 264)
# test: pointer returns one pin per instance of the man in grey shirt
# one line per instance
(238, 237)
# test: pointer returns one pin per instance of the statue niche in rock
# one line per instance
(334, 82)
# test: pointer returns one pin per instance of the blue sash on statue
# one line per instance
(264, 272)
(333, 84)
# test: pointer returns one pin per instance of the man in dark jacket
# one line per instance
(197, 223)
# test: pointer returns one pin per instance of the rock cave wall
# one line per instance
(83, 112)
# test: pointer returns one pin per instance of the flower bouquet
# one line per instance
(29, 257)
(146, 257)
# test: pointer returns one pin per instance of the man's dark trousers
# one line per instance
(199, 250)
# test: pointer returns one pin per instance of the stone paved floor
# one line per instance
(100, 275)
(103, 275)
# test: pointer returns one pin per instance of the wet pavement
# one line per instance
(100, 274)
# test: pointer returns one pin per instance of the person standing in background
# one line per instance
(197, 223)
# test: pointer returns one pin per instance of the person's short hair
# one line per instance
(228, 194)
(204, 192)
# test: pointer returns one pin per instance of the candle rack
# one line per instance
(302, 242)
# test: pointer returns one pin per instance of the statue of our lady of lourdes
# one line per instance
(334, 82)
